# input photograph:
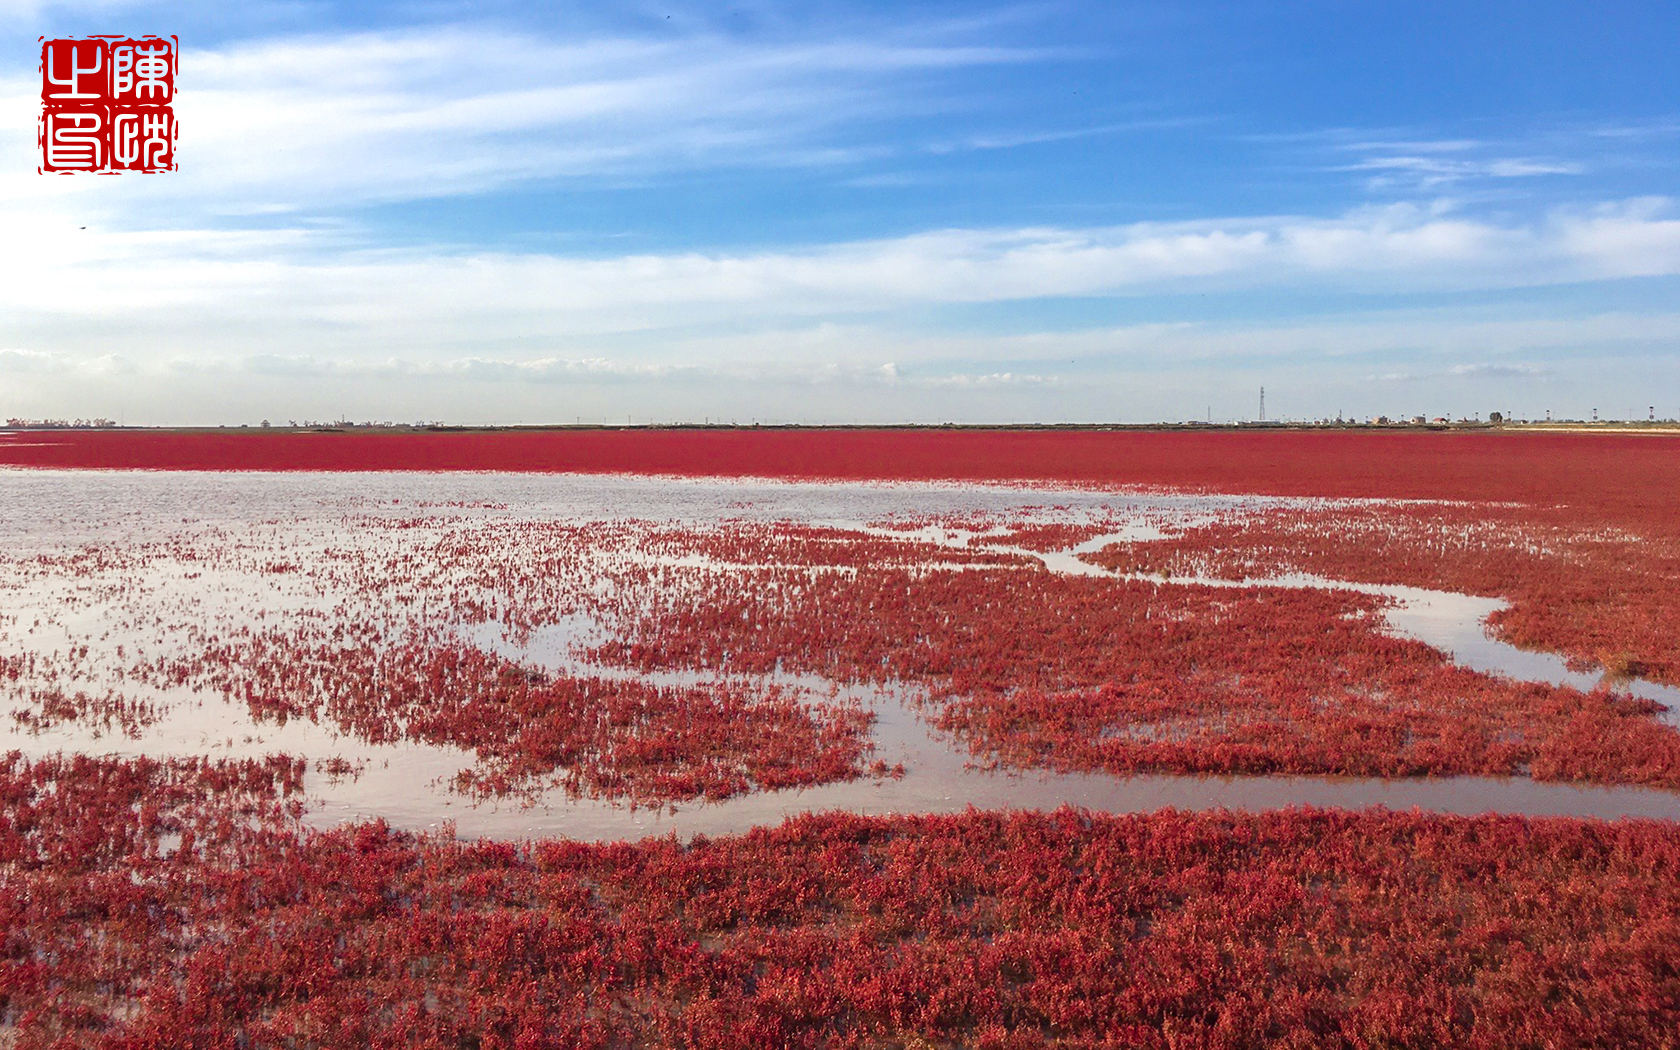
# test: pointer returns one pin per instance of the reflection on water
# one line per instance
(406, 784)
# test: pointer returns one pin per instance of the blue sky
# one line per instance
(860, 212)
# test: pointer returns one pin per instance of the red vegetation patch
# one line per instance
(1017, 530)
(1604, 597)
(595, 737)
(772, 544)
(1082, 673)
(1311, 929)
(1030, 668)
(78, 814)
(1628, 471)
(1045, 536)
(368, 639)
(49, 692)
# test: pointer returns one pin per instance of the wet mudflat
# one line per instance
(226, 553)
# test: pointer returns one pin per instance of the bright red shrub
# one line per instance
(595, 737)
(1601, 595)
(1080, 673)
(215, 921)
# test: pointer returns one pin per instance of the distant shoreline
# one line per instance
(1658, 428)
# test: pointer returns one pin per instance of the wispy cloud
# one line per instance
(301, 123)
(1479, 370)
(1429, 146)
(1637, 130)
(1399, 162)
(1393, 162)
(296, 284)
(516, 370)
(1015, 139)
(1431, 171)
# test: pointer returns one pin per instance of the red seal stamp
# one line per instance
(108, 104)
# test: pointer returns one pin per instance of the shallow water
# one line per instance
(57, 512)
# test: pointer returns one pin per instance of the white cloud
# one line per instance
(878, 371)
(1418, 165)
(261, 290)
(1506, 370)
(992, 379)
(311, 122)
(1501, 370)
(1015, 139)
(1472, 343)
(33, 361)
(1636, 239)
(528, 370)
(1447, 346)
(1432, 170)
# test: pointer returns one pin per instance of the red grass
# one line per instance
(52, 688)
(1626, 471)
(594, 737)
(1300, 928)
(365, 639)
(1029, 668)
(1603, 596)
(1043, 536)
(1076, 673)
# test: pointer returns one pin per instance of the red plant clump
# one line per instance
(49, 692)
(1044, 536)
(1033, 668)
(338, 769)
(774, 543)
(366, 638)
(990, 531)
(1602, 596)
(194, 912)
(1630, 481)
(81, 813)
(594, 737)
